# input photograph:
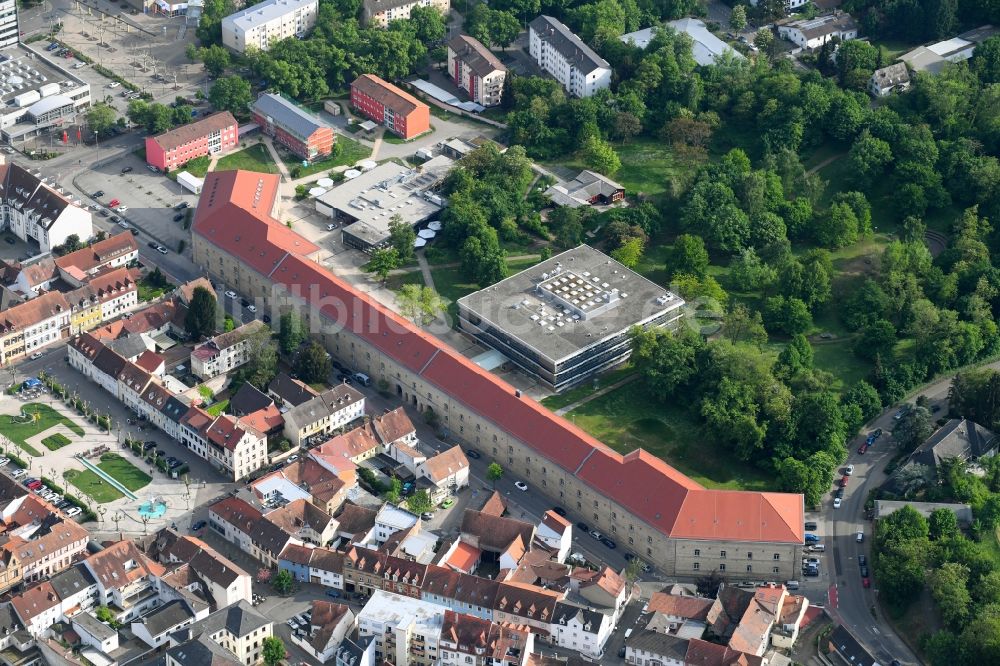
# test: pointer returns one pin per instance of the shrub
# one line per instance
(53, 485)
(20, 463)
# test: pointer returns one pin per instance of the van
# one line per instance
(792, 584)
(362, 379)
(819, 547)
(628, 632)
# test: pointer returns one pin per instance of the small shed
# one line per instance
(189, 182)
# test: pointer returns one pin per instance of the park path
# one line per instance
(378, 144)
(829, 160)
(562, 411)
(425, 270)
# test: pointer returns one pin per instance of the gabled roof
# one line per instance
(446, 463)
(35, 601)
(40, 272)
(72, 581)
(186, 291)
(109, 362)
(393, 425)
(120, 564)
(703, 653)
(300, 514)
(356, 519)
(567, 44)
(28, 192)
(478, 58)
(494, 532)
(248, 399)
(149, 361)
(677, 605)
(167, 617)
(179, 136)
(34, 311)
(100, 253)
(296, 121)
(353, 443)
(237, 513)
(329, 402)
(291, 391)
(134, 377)
(386, 94)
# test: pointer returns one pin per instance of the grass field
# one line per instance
(90, 484)
(254, 158)
(123, 471)
(627, 418)
(56, 441)
(197, 167)
(452, 285)
(148, 292)
(396, 282)
(218, 408)
(348, 153)
(46, 417)
(647, 166)
(577, 393)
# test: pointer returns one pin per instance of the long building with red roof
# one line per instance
(643, 503)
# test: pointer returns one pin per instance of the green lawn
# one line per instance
(389, 137)
(45, 418)
(648, 166)
(56, 441)
(123, 471)
(577, 393)
(197, 167)
(148, 292)
(396, 282)
(348, 152)
(218, 408)
(90, 484)
(452, 285)
(627, 418)
(254, 158)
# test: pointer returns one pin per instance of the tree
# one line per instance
(231, 93)
(985, 61)
(395, 491)
(913, 428)
(494, 473)
(312, 364)
(262, 360)
(503, 28)
(419, 304)
(428, 24)
(943, 524)
(282, 583)
(419, 502)
(228, 324)
(948, 585)
(742, 325)
(600, 156)
(868, 158)
(401, 237)
(629, 253)
(101, 118)
(216, 59)
(738, 18)
(787, 315)
(626, 125)
(688, 255)
(272, 649)
(764, 40)
(383, 261)
(199, 322)
(291, 333)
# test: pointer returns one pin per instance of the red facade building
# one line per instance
(171, 150)
(301, 132)
(400, 112)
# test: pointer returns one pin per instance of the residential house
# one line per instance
(290, 392)
(368, 571)
(589, 188)
(37, 608)
(400, 112)
(116, 251)
(958, 439)
(652, 648)
(52, 548)
(305, 521)
(705, 653)
(132, 383)
(355, 445)
(258, 26)
(556, 533)
(505, 538)
(474, 69)
(447, 471)
(813, 33)
(706, 48)
(519, 603)
(890, 79)
(238, 628)
(359, 652)
(466, 639)
(331, 624)
(562, 54)
(36, 277)
(35, 211)
(405, 630)
(94, 633)
(379, 13)
(126, 579)
(77, 590)
(234, 447)
(11, 572)
(28, 326)
(210, 135)
(304, 479)
(357, 523)
(390, 520)
(154, 628)
(225, 352)
(224, 582)
(321, 566)
(581, 629)
(306, 135)
(460, 592)
(323, 414)
(604, 588)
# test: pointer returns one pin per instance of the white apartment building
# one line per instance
(225, 352)
(33, 210)
(581, 629)
(323, 414)
(475, 69)
(813, 33)
(8, 23)
(405, 630)
(260, 25)
(379, 13)
(564, 55)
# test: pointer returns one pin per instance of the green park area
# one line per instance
(112, 464)
(254, 158)
(90, 484)
(123, 471)
(34, 418)
(56, 441)
(346, 152)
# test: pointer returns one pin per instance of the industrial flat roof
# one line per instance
(23, 71)
(569, 302)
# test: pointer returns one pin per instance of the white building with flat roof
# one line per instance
(402, 627)
(36, 94)
(259, 25)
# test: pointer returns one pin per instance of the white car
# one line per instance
(849, 471)
(252, 308)
(122, 209)
(837, 502)
(231, 294)
(113, 84)
(79, 65)
(161, 249)
(123, 224)
(73, 512)
(4, 461)
(521, 485)
(331, 227)
(35, 356)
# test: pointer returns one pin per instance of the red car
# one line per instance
(113, 203)
(862, 448)
(843, 481)
(35, 485)
(866, 582)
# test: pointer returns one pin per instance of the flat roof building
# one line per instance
(270, 21)
(933, 57)
(568, 318)
(366, 204)
(36, 94)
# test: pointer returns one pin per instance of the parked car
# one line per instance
(181, 206)
(198, 526)
(862, 560)
(811, 538)
(521, 485)
(152, 245)
(472, 453)
(862, 448)
(849, 471)
(864, 572)
(844, 481)
(608, 542)
(114, 203)
(231, 294)
(123, 224)
(178, 217)
(122, 208)
(877, 433)
(860, 537)
(597, 535)
(559, 511)
(427, 515)
(810, 525)
(98, 194)
(448, 503)
(75, 511)
(333, 594)
(161, 249)
(114, 84)
(583, 527)
(837, 502)
(127, 169)
(250, 308)
(35, 356)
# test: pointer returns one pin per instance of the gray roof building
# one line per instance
(654, 643)
(248, 399)
(558, 36)
(71, 581)
(239, 620)
(166, 617)
(290, 391)
(322, 406)
(204, 652)
(288, 115)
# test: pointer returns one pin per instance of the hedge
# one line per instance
(20, 463)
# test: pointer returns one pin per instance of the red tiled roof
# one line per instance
(149, 361)
(200, 128)
(35, 601)
(264, 420)
(400, 101)
(464, 557)
(89, 258)
(640, 482)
